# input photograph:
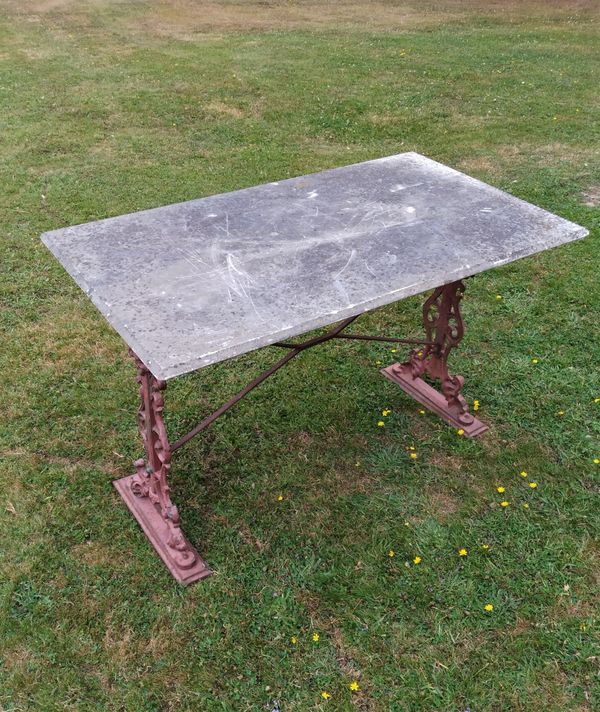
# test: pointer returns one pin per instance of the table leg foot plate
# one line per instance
(158, 532)
(432, 399)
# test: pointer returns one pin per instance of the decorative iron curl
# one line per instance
(151, 478)
(444, 327)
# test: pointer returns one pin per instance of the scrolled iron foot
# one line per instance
(451, 388)
(444, 326)
(444, 330)
(139, 482)
(181, 550)
(146, 492)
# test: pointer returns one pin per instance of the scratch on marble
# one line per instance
(398, 187)
(369, 269)
(226, 228)
(350, 258)
(238, 281)
(192, 257)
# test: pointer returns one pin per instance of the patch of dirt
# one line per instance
(36, 53)
(43, 6)
(185, 18)
(300, 439)
(518, 628)
(350, 479)
(446, 461)
(591, 196)
(119, 645)
(477, 165)
(385, 119)
(553, 154)
(441, 503)
(18, 659)
(222, 109)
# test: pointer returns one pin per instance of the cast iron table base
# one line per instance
(147, 493)
(444, 330)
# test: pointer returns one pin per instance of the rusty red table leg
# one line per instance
(444, 329)
(146, 492)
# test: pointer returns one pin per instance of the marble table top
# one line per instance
(195, 283)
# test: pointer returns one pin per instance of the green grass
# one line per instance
(112, 107)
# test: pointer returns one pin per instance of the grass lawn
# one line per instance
(108, 107)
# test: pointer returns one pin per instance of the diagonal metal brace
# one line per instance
(296, 349)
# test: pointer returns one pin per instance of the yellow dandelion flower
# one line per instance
(293, 640)
(534, 360)
(475, 405)
(460, 431)
(560, 412)
(413, 455)
(523, 473)
(596, 461)
(354, 686)
(489, 607)
(525, 505)
(391, 552)
(411, 447)
(393, 350)
(596, 400)
(422, 412)
(385, 412)
(504, 503)
(325, 695)
(417, 560)
(498, 297)
(533, 485)
(315, 637)
(380, 423)
(280, 498)
(462, 552)
(501, 489)
(485, 546)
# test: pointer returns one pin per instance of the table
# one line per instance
(196, 283)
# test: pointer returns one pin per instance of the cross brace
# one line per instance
(147, 492)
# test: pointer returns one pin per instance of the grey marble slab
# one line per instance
(191, 284)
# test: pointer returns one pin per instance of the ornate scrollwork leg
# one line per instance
(147, 493)
(444, 329)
